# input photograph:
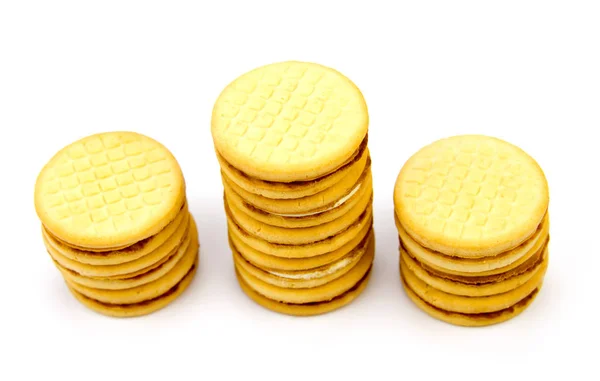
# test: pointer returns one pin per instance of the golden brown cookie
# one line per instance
(489, 264)
(109, 190)
(289, 121)
(298, 236)
(472, 305)
(302, 251)
(135, 280)
(143, 308)
(306, 278)
(295, 189)
(295, 264)
(364, 190)
(323, 201)
(146, 291)
(115, 257)
(471, 289)
(472, 320)
(126, 269)
(471, 196)
(308, 309)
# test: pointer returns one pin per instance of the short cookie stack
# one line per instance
(472, 217)
(116, 223)
(291, 139)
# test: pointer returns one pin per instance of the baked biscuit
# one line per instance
(310, 301)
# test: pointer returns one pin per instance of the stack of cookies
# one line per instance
(472, 218)
(291, 140)
(116, 223)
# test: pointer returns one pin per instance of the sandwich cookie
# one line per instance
(310, 301)
(307, 219)
(295, 189)
(291, 139)
(308, 278)
(267, 261)
(116, 224)
(473, 226)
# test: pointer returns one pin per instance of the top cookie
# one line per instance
(109, 190)
(471, 196)
(290, 121)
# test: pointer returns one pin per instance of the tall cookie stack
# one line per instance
(291, 139)
(116, 223)
(472, 217)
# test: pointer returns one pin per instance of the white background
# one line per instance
(524, 71)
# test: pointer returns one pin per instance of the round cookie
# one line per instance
(316, 294)
(309, 309)
(472, 320)
(471, 305)
(523, 264)
(457, 265)
(296, 189)
(139, 309)
(109, 190)
(301, 251)
(326, 200)
(141, 279)
(303, 221)
(148, 291)
(127, 269)
(296, 264)
(471, 196)
(305, 278)
(298, 236)
(465, 289)
(115, 257)
(289, 121)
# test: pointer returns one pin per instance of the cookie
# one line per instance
(299, 236)
(473, 320)
(312, 249)
(323, 201)
(147, 291)
(498, 275)
(457, 265)
(127, 254)
(271, 262)
(143, 308)
(471, 305)
(308, 309)
(295, 189)
(471, 196)
(109, 190)
(126, 269)
(138, 278)
(484, 287)
(310, 301)
(306, 278)
(289, 121)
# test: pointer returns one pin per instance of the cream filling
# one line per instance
(316, 274)
(331, 269)
(337, 204)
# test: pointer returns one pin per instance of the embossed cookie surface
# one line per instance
(471, 196)
(289, 121)
(109, 190)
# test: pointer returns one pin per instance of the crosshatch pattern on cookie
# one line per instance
(471, 187)
(105, 182)
(289, 113)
